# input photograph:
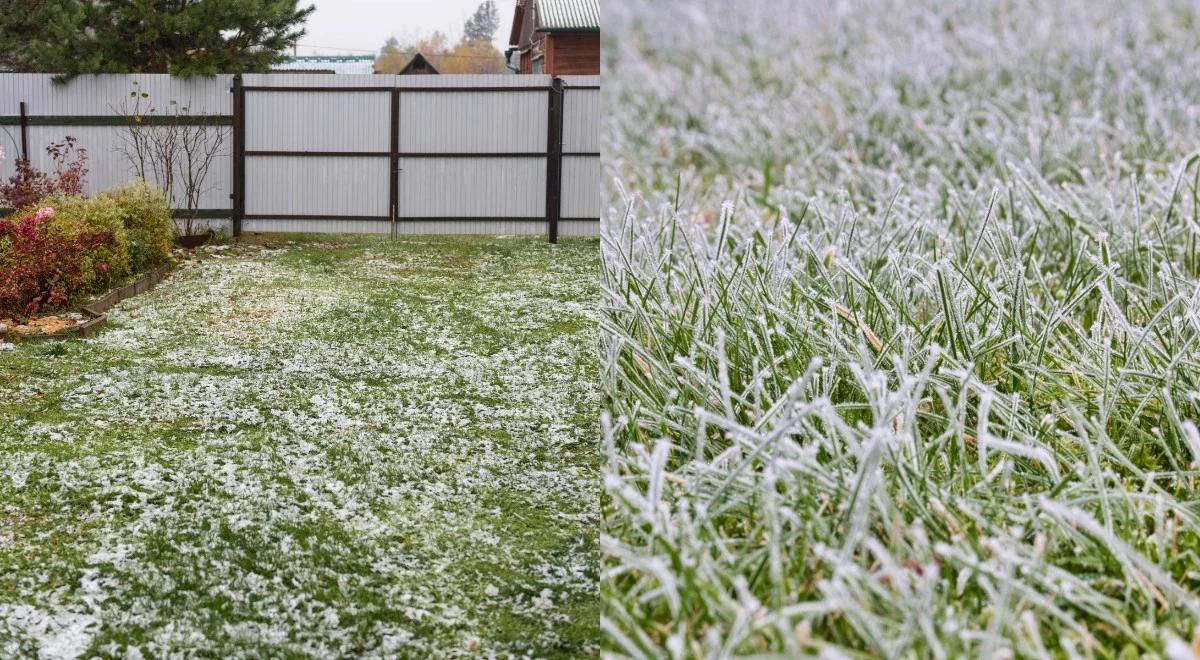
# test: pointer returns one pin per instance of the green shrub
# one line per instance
(75, 216)
(137, 217)
(41, 270)
(147, 219)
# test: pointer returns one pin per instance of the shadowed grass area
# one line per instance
(313, 446)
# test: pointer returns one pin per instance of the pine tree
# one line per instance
(482, 26)
(181, 37)
(26, 24)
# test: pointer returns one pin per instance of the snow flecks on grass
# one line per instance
(370, 447)
(900, 322)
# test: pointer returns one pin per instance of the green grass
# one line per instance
(900, 330)
(313, 446)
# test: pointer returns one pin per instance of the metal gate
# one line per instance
(404, 154)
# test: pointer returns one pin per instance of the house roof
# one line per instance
(329, 63)
(556, 16)
(418, 62)
(582, 15)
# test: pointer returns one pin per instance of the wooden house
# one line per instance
(557, 37)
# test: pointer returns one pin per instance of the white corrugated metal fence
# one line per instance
(469, 153)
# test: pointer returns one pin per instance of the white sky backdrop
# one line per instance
(359, 27)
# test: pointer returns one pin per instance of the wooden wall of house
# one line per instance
(573, 54)
(567, 54)
(540, 41)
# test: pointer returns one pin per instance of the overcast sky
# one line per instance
(359, 27)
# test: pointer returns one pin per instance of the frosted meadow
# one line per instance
(321, 447)
(900, 329)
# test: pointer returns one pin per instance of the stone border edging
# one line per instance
(96, 309)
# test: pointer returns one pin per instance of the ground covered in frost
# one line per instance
(901, 329)
(312, 447)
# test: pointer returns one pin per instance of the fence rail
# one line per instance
(369, 154)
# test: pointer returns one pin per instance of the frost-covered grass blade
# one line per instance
(900, 329)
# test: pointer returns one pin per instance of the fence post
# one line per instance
(554, 150)
(24, 133)
(394, 160)
(239, 155)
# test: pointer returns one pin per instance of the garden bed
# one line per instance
(84, 323)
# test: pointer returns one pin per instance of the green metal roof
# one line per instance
(331, 58)
(582, 15)
(334, 63)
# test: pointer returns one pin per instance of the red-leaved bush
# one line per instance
(40, 269)
(30, 185)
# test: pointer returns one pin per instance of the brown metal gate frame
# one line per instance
(24, 133)
(553, 155)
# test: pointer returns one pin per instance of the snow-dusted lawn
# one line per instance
(351, 446)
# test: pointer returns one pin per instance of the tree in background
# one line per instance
(394, 56)
(391, 57)
(482, 26)
(475, 57)
(180, 37)
(474, 53)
